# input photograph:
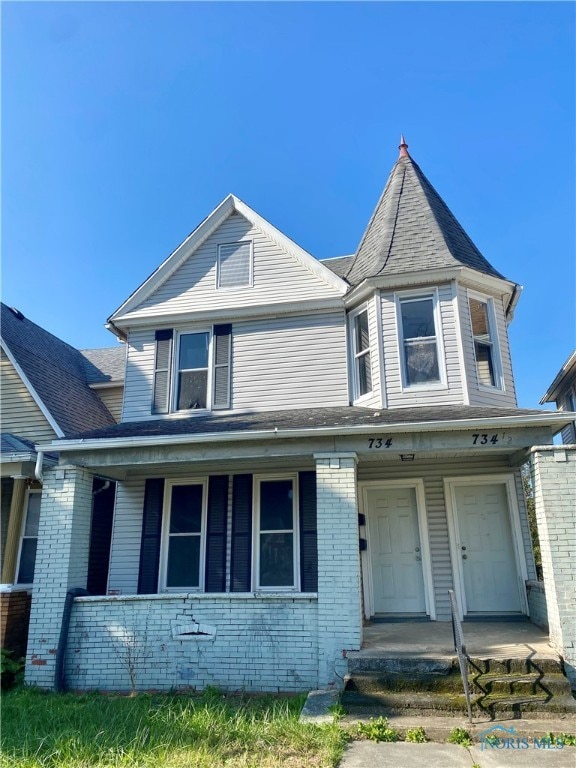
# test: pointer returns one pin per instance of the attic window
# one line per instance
(234, 265)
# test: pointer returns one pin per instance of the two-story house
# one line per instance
(49, 390)
(304, 446)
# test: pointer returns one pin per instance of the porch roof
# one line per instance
(311, 422)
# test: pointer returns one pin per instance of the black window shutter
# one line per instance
(241, 566)
(162, 365)
(151, 533)
(308, 532)
(215, 580)
(222, 356)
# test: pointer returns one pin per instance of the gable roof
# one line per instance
(338, 264)
(413, 229)
(54, 373)
(231, 204)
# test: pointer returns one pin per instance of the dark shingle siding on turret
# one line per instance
(413, 229)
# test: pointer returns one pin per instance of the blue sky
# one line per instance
(124, 124)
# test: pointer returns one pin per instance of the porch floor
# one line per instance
(490, 639)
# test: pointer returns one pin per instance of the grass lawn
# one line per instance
(181, 731)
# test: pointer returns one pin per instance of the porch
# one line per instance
(503, 639)
(410, 668)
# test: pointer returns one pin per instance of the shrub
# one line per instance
(11, 671)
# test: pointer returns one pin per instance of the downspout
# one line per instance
(59, 678)
(38, 468)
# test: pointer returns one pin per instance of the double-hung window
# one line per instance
(485, 345)
(418, 340)
(184, 525)
(29, 539)
(276, 533)
(192, 371)
(362, 383)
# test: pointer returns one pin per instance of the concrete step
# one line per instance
(553, 684)
(402, 664)
(494, 703)
(425, 702)
(382, 681)
(522, 665)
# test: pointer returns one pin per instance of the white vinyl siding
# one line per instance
(291, 362)
(277, 277)
(138, 386)
(398, 396)
(19, 413)
(432, 473)
(126, 536)
(112, 398)
(486, 395)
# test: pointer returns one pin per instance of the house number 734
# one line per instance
(483, 439)
(379, 442)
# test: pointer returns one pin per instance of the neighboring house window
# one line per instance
(276, 533)
(29, 539)
(362, 383)
(184, 535)
(234, 265)
(419, 344)
(485, 348)
(192, 371)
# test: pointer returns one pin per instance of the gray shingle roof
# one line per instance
(13, 444)
(343, 416)
(104, 365)
(413, 229)
(339, 265)
(56, 371)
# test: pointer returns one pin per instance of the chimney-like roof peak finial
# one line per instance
(403, 147)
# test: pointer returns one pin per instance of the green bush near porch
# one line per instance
(193, 731)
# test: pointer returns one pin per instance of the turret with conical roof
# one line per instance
(413, 229)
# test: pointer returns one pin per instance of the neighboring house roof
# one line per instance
(17, 449)
(104, 366)
(565, 376)
(54, 373)
(306, 418)
(413, 229)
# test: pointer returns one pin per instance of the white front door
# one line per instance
(486, 549)
(395, 551)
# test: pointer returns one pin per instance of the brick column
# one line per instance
(554, 477)
(61, 564)
(339, 595)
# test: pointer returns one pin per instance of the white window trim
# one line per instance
(507, 480)
(28, 493)
(175, 370)
(414, 295)
(354, 382)
(250, 283)
(494, 340)
(257, 480)
(166, 512)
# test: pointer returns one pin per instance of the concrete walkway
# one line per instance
(367, 754)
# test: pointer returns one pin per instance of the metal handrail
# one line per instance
(460, 649)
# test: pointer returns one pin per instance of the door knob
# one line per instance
(463, 548)
(417, 549)
(464, 557)
(418, 558)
